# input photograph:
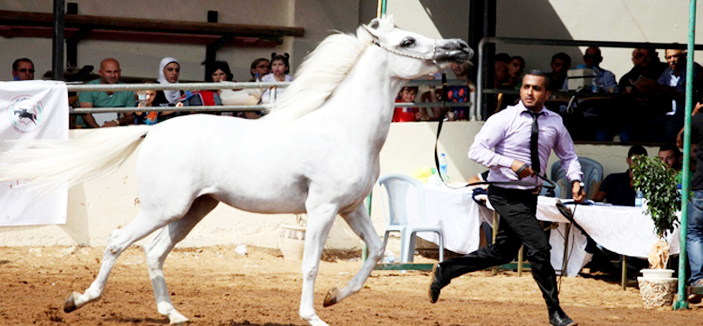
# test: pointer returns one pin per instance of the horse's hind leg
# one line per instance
(158, 248)
(359, 221)
(118, 241)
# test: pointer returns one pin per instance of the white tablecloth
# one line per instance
(623, 230)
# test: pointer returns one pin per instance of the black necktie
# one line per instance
(534, 137)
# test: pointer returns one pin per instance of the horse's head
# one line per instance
(415, 55)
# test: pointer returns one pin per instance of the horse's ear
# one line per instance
(372, 27)
(375, 23)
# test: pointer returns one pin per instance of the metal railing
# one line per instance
(223, 85)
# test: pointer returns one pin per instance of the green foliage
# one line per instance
(658, 185)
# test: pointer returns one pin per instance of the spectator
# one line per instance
(169, 71)
(673, 82)
(279, 73)
(694, 238)
(259, 68)
(605, 79)
(220, 72)
(146, 117)
(110, 73)
(561, 63)
(671, 156)
(460, 93)
(501, 74)
(617, 188)
(214, 73)
(433, 94)
(406, 114)
(516, 67)
(646, 65)
(23, 69)
(503, 57)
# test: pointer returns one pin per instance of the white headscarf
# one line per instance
(171, 96)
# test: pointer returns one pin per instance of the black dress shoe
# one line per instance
(559, 318)
(436, 283)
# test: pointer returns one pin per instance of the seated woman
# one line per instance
(169, 71)
(219, 72)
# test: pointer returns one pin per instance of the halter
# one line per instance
(405, 54)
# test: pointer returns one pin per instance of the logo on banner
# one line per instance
(26, 113)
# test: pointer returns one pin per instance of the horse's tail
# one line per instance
(55, 163)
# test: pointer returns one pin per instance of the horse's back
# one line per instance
(236, 161)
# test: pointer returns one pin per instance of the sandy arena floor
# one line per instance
(216, 286)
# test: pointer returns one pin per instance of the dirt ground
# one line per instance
(216, 286)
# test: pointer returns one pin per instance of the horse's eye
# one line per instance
(407, 42)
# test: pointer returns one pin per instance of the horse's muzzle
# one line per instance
(454, 50)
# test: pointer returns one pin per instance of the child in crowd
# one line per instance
(279, 73)
(406, 114)
(146, 99)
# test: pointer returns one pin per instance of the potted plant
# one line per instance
(658, 185)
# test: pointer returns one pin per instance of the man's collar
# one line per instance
(523, 108)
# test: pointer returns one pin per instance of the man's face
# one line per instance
(515, 68)
(560, 67)
(533, 92)
(669, 158)
(501, 72)
(676, 58)
(110, 72)
(25, 71)
(643, 57)
(592, 57)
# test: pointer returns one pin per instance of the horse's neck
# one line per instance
(364, 100)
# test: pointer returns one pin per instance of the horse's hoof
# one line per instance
(331, 297)
(178, 319)
(70, 303)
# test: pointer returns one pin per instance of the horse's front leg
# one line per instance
(320, 220)
(359, 221)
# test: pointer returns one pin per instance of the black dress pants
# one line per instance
(518, 225)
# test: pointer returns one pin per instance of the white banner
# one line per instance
(32, 110)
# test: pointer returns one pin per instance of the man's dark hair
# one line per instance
(636, 150)
(563, 57)
(503, 57)
(670, 147)
(517, 57)
(16, 64)
(537, 72)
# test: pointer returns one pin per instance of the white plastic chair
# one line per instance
(397, 186)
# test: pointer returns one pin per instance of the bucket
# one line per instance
(291, 241)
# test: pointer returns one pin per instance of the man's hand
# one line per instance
(525, 172)
(113, 123)
(579, 193)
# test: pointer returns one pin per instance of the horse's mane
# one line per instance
(323, 70)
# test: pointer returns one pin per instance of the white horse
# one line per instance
(316, 152)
